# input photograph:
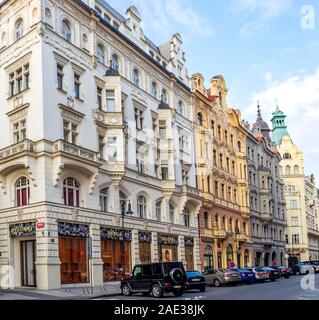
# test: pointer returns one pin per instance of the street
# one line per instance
(280, 290)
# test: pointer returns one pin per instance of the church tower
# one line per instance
(279, 128)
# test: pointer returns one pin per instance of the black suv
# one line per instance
(156, 279)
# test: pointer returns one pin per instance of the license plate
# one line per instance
(177, 287)
(275, 272)
(250, 275)
(196, 280)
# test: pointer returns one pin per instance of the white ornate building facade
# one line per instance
(95, 119)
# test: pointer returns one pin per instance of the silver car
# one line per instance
(219, 277)
(260, 273)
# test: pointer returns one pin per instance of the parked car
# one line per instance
(313, 263)
(247, 276)
(260, 273)
(156, 279)
(284, 272)
(195, 280)
(273, 273)
(300, 268)
(219, 277)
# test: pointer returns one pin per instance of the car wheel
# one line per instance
(203, 289)
(178, 293)
(157, 291)
(217, 283)
(126, 291)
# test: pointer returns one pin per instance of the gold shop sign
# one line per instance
(27, 229)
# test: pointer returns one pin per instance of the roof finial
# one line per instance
(277, 105)
(259, 117)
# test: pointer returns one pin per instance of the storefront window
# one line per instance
(167, 247)
(208, 258)
(145, 244)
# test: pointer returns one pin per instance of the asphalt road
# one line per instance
(282, 289)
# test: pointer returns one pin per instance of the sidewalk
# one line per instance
(79, 293)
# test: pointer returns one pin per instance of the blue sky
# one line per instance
(259, 47)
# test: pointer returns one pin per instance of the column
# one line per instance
(181, 249)
(96, 263)
(135, 248)
(114, 198)
(155, 257)
(215, 253)
(196, 253)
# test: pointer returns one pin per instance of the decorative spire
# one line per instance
(259, 116)
(277, 106)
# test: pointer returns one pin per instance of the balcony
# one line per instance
(16, 149)
(115, 166)
(109, 119)
(168, 185)
(241, 237)
(267, 217)
(190, 190)
(267, 241)
(73, 150)
(220, 234)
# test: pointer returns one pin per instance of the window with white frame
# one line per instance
(110, 101)
(112, 149)
(136, 77)
(185, 176)
(70, 131)
(154, 90)
(164, 96)
(60, 76)
(139, 118)
(295, 239)
(77, 85)
(294, 221)
(100, 53)
(186, 216)
(140, 160)
(164, 170)
(99, 97)
(293, 204)
(18, 29)
(19, 80)
(158, 211)
(162, 129)
(19, 131)
(66, 30)
(71, 192)
(141, 207)
(103, 199)
(115, 62)
(22, 191)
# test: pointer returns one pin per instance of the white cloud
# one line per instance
(298, 97)
(257, 13)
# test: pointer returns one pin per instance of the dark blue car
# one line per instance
(246, 275)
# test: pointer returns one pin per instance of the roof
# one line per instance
(113, 11)
(163, 106)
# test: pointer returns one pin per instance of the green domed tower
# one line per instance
(279, 128)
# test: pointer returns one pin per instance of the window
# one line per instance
(296, 170)
(100, 53)
(60, 76)
(239, 146)
(219, 133)
(103, 199)
(232, 140)
(110, 101)
(185, 176)
(22, 187)
(171, 213)
(71, 192)
(19, 131)
(141, 207)
(199, 119)
(77, 85)
(136, 77)
(206, 217)
(154, 89)
(116, 25)
(186, 217)
(19, 80)
(158, 211)
(99, 97)
(164, 96)
(70, 132)
(162, 129)
(66, 30)
(115, 62)
(288, 170)
(287, 156)
(294, 221)
(112, 149)
(101, 147)
(164, 170)
(295, 239)
(18, 30)
(293, 204)
(139, 118)
(181, 107)
(140, 161)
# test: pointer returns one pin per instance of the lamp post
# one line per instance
(129, 212)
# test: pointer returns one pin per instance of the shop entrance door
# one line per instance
(28, 270)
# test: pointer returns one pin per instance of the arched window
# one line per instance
(18, 29)
(103, 199)
(296, 170)
(154, 89)
(115, 62)
(66, 30)
(136, 77)
(22, 187)
(71, 192)
(288, 170)
(171, 213)
(206, 220)
(141, 207)
(158, 211)
(164, 96)
(100, 53)
(287, 156)
(199, 119)
(187, 217)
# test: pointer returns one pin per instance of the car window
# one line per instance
(137, 272)
(147, 271)
(157, 269)
(193, 274)
(259, 269)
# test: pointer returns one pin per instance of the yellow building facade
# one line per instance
(220, 142)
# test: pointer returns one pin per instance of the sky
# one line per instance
(267, 50)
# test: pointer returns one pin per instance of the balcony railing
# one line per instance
(220, 234)
(190, 190)
(71, 149)
(24, 146)
(241, 237)
(108, 118)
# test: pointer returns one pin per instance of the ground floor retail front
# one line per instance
(50, 254)
(269, 255)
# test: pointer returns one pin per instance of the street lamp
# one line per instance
(129, 212)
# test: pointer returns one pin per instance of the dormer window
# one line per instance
(19, 26)
(66, 30)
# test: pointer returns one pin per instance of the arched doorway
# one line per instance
(246, 259)
(229, 254)
(208, 258)
(274, 257)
